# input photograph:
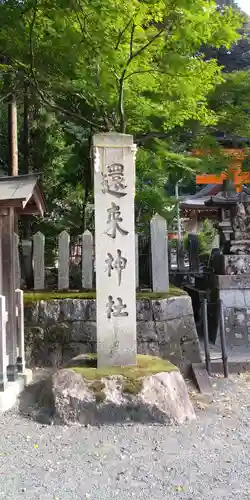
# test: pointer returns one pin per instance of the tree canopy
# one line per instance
(101, 65)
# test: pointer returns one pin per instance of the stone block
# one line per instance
(231, 298)
(49, 311)
(189, 328)
(175, 329)
(236, 329)
(90, 311)
(172, 352)
(66, 309)
(175, 307)
(191, 351)
(144, 310)
(237, 264)
(83, 331)
(161, 328)
(59, 333)
(31, 313)
(150, 348)
(74, 309)
(49, 337)
(233, 282)
(146, 331)
(247, 298)
(34, 335)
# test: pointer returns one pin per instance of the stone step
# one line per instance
(238, 359)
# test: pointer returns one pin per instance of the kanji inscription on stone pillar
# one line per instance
(114, 176)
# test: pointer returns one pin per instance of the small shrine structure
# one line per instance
(226, 200)
(232, 279)
(20, 195)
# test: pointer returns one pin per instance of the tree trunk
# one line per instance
(12, 137)
(121, 114)
(87, 182)
(26, 169)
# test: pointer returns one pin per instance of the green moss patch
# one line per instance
(131, 386)
(146, 365)
(97, 387)
(30, 297)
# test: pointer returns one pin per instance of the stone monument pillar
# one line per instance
(114, 179)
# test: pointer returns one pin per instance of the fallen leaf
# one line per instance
(179, 489)
(35, 445)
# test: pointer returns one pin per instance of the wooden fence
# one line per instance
(151, 258)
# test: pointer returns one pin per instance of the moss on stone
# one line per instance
(132, 386)
(97, 387)
(145, 366)
(31, 297)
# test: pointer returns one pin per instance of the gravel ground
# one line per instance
(208, 459)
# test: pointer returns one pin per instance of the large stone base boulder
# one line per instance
(160, 397)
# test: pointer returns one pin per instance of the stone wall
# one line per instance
(234, 291)
(57, 330)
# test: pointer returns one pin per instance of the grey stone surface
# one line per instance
(233, 282)
(147, 332)
(162, 398)
(114, 188)
(236, 303)
(144, 310)
(63, 261)
(49, 311)
(38, 261)
(87, 260)
(159, 251)
(237, 326)
(233, 297)
(67, 327)
(172, 308)
(236, 264)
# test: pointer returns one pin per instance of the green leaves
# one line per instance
(231, 102)
(126, 59)
(126, 65)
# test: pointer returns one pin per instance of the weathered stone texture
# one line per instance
(163, 398)
(58, 330)
(234, 291)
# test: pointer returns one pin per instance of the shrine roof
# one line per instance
(24, 193)
(232, 142)
(204, 200)
(198, 199)
(228, 198)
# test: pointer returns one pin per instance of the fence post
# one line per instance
(63, 261)
(17, 262)
(3, 353)
(136, 260)
(26, 263)
(223, 339)
(20, 331)
(169, 255)
(160, 275)
(206, 336)
(87, 260)
(38, 260)
(180, 255)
